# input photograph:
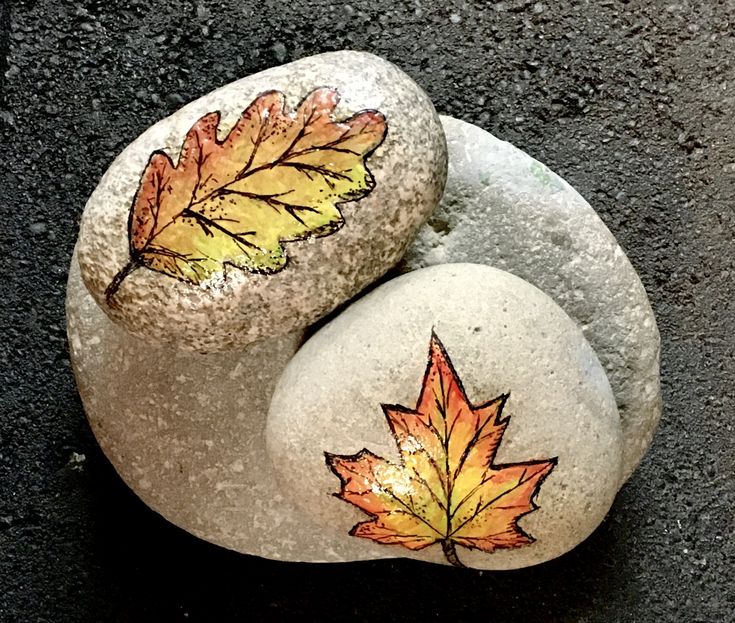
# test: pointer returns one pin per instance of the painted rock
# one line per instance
(505, 209)
(455, 414)
(263, 205)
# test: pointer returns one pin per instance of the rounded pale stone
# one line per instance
(235, 307)
(502, 335)
(505, 209)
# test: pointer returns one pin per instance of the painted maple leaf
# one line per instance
(277, 177)
(446, 488)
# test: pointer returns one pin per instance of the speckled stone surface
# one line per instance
(409, 168)
(506, 209)
(185, 431)
(503, 335)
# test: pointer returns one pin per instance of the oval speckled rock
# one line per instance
(501, 449)
(263, 205)
(505, 209)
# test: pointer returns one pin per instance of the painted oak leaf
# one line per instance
(276, 177)
(446, 488)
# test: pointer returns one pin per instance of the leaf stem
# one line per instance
(117, 280)
(450, 552)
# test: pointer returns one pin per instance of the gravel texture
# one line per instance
(631, 102)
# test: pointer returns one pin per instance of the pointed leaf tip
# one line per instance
(446, 487)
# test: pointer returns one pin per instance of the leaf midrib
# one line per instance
(244, 174)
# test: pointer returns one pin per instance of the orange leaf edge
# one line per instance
(521, 537)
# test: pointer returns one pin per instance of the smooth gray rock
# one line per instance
(502, 335)
(505, 209)
(235, 307)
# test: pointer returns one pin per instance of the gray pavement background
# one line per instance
(632, 102)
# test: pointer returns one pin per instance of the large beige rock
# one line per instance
(185, 431)
(502, 335)
(175, 293)
(505, 209)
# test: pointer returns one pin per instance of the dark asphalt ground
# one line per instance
(632, 102)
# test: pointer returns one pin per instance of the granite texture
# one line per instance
(631, 103)
(237, 307)
(503, 336)
(505, 209)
